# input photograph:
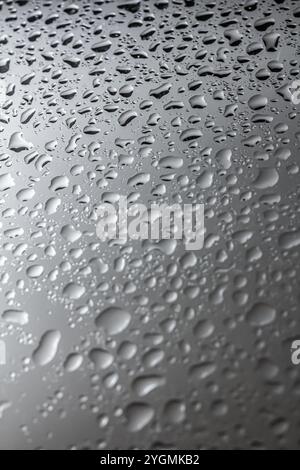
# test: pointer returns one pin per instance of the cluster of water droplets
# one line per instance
(144, 344)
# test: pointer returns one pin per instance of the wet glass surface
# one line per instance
(143, 344)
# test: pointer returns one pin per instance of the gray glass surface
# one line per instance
(112, 345)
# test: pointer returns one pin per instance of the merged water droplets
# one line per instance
(73, 291)
(138, 416)
(113, 319)
(261, 314)
(47, 348)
